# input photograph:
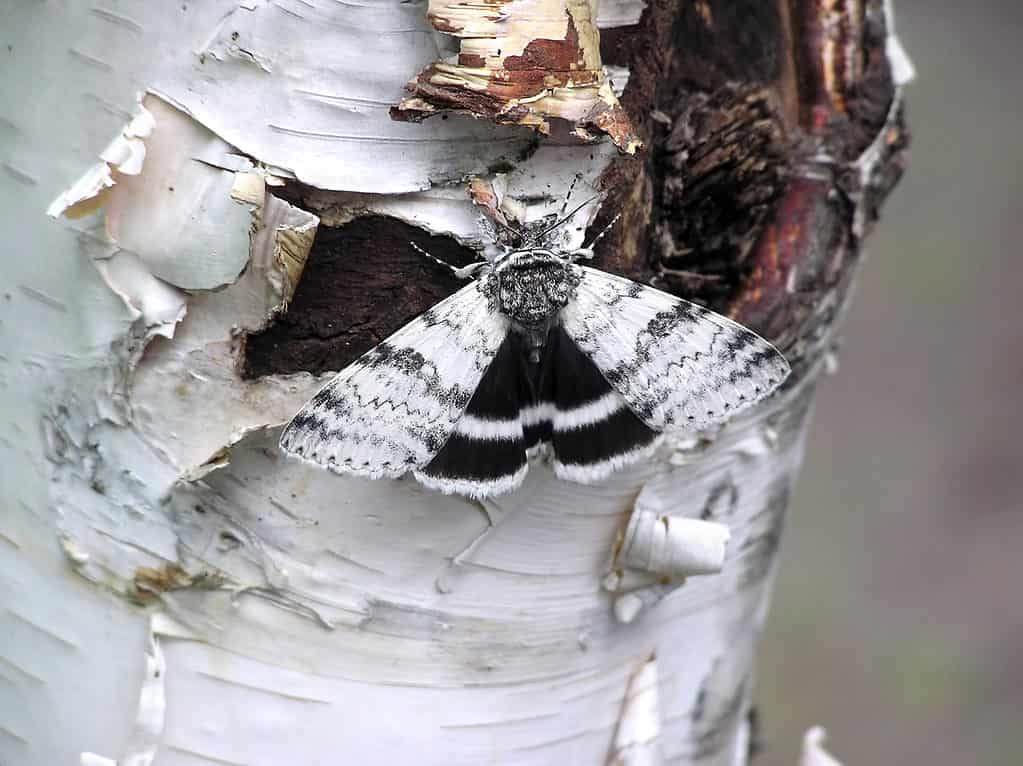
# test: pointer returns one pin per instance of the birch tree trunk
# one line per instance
(174, 590)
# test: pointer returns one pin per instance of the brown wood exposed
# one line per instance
(361, 283)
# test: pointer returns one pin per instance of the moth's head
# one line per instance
(553, 237)
(531, 258)
(532, 286)
(525, 255)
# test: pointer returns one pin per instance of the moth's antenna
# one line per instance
(603, 233)
(560, 221)
(465, 272)
(586, 251)
(568, 194)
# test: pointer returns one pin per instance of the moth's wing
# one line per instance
(393, 409)
(591, 428)
(678, 365)
(486, 452)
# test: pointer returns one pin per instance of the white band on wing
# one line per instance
(588, 414)
(484, 429)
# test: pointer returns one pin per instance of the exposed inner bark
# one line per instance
(521, 67)
(723, 164)
(361, 283)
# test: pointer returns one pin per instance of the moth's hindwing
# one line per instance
(393, 409)
(563, 401)
(678, 365)
(593, 431)
(486, 453)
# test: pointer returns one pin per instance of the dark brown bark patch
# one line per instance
(471, 59)
(724, 41)
(362, 282)
(803, 254)
(724, 162)
(709, 89)
(731, 206)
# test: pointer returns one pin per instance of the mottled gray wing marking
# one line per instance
(393, 409)
(679, 366)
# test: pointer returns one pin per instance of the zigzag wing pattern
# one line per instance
(678, 365)
(391, 410)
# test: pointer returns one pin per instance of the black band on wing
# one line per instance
(468, 460)
(504, 386)
(590, 451)
(571, 379)
(619, 435)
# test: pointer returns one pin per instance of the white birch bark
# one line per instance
(174, 591)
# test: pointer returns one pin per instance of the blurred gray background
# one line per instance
(897, 621)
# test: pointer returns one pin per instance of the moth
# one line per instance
(538, 353)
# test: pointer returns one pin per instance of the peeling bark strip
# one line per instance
(521, 64)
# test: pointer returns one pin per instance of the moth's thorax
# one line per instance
(532, 286)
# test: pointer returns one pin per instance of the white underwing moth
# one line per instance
(538, 354)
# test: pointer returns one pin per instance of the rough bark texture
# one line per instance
(362, 283)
